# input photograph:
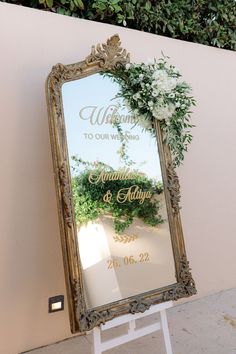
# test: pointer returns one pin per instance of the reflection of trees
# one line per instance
(93, 181)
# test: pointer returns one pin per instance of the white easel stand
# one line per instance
(133, 333)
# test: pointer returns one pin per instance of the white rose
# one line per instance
(171, 109)
(154, 93)
(136, 96)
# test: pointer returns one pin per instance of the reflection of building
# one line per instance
(115, 270)
(94, 254)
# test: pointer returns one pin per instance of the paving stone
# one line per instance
(204, 326)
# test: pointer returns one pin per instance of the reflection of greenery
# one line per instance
(89, 204)
(123, 150)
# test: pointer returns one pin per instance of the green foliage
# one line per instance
(89, 204)
(210, 22)
(155, 91)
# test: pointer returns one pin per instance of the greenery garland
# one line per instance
(155, 91)
(89, 203)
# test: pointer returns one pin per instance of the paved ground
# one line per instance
(202, 326)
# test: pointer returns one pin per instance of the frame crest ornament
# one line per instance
(106, 57)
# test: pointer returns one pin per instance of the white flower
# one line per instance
(171, 108)
(145, 123)
(162, 112)
(154, 93)
(127, 104)
(177, 105)
(136, 96)
(127, 66)
(167, 121)
(172, 83)
(163, 81)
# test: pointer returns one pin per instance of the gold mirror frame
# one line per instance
(106, 57)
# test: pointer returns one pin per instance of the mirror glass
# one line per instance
(120, 210)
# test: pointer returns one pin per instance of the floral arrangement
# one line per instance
(155, 91)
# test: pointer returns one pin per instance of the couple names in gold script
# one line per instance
(128, 194)
(132, 193)
(103, 176)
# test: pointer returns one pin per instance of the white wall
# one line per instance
(31, 267)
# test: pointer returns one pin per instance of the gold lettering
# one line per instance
(123, 174)
(108, 115)
(132, 193)
(107, 197)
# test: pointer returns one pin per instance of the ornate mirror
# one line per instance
(117, 190)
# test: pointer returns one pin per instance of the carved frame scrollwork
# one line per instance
(106, 57)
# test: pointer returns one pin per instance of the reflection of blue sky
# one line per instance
(98, 92)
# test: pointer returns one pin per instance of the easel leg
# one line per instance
(96, 341)
(166, 332)
(100, 346)
(132, 326)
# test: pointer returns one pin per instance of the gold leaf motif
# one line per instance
(186, 286)
(125, 238)
(140, 305)
(109, 55)
(91, 318)
(173, 187)
(66, 195)
(77, 292)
